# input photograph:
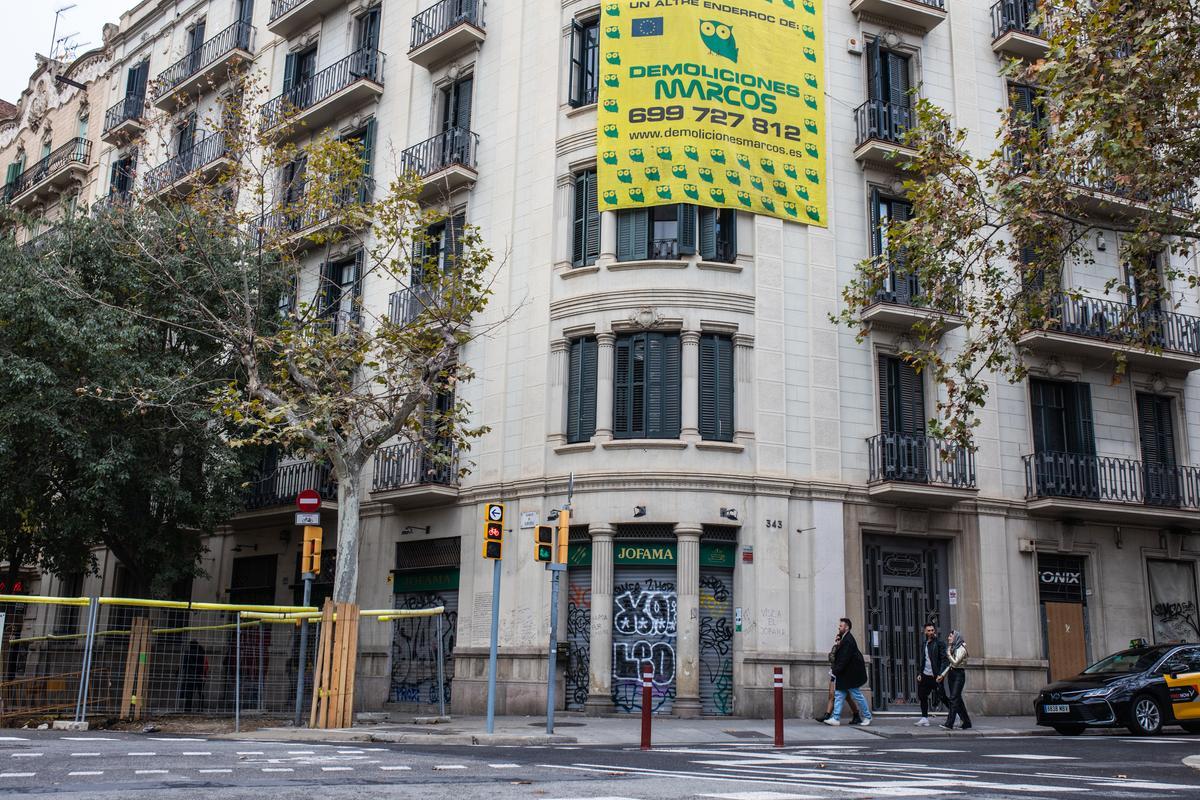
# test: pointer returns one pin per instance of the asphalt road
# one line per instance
(110, 765)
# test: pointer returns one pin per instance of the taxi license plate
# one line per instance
(1058, 709)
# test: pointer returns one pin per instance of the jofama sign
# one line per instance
(654, 554)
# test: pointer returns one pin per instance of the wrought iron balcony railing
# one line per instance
(281, 7)
(931, 3)
(1093, 176)
(1122, 323)
(281, 485)
(441, 17)
(877, 119)
(1110, 480)
(238, 36)
(361, 65)
(917, 458)
(301, 217)
(448, 148)
(1015, 15)
(113, 201)
(39, 243)
(76, 151)
(132, 107)
(204, 152)
(406, 305)
(411, 464)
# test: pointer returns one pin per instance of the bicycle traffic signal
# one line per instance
(493, 531)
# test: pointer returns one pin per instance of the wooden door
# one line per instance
(1068, 646)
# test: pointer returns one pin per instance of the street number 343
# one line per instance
(774, 523)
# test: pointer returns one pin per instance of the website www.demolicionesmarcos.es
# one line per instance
(714, 136)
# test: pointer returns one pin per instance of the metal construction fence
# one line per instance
(133, 659)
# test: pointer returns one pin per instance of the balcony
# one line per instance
(290, 17)
(63, 168)
(924, 15)
(204, 68)
(914, 469)
(333, 92)
(1104, 195)
(111, 203)
(445, 163)
(39, 243)
(445, 30)
(900, 305)
(881, 127)
(406, 305)
(125, 120)
(305, 226)
(407, 477)
(1116, 490)
(281, 485)
(1091, 328)
(197, 165)
(1013, 32)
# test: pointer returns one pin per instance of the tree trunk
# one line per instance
(345, 579)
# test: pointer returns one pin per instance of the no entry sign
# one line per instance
(308, 500)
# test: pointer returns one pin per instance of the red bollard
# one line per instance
(647, 688)
(779, 706)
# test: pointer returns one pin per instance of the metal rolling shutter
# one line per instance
(644, 608)
(716, 641)
(579, 621)
(414, 648)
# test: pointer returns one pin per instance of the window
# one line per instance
(1062, 417)
(363, 141)
(456, 104)
(646, 386)
(185, 138)
(716, 388)
(900, 286)
(252, 581)
(585, 231)
(1030, 115)
(661, 232)
(438, 249)
(889, 106)
(718, 234)
(905, 455)
(293, 179)
(1157, 432)
(342, 291)
(135, 81)
(120, 181)
(581, 390)
(298, 69)
(585, 60)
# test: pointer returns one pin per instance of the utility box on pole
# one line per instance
(311, 557)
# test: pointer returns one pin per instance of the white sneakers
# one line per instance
(865, 722)
(833, 722)
(923, 722)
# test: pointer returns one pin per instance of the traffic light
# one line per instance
(311, 557)
(493, 531)
(564, 534)
(543, 543)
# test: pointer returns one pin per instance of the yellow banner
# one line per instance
(713, 102)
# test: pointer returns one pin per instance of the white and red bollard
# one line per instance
(779, 706)
(647, 698)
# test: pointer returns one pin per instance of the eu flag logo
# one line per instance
(648, 26)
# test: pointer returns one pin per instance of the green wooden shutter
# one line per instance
(716, 388)
(579, 220)
(903, 283)
(576, 98)
(325, 287)
(898, 82)
(623, 426)
(878, 247)
(1037, 411)
(1086, 441)
(581, 391)
(708, 233)
(454, 239)
(886, 388)
(419, 249)
(289, 71)
(672, 386)
(633, 235)
(356, 287)
(368, 147)
(574, 386)
(875, 70)
(591, 220)
(912, 394)
(686, 221)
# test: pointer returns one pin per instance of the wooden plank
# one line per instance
(328, 677)
(321, 668)
(342, 624)
(130, 664)
(351, 666)
(143, 659)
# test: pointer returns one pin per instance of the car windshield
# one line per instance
(1127, 661)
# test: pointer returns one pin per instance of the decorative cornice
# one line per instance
(633, 299)
(575, 142)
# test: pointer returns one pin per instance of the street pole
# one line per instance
(308, 582)
(557, 568)
(491, 701)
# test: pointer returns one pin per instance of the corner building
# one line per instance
(745, 471)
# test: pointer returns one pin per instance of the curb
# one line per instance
(383, 737)
(1192, 761)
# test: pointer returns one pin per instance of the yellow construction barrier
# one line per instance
(190, 606)
(55, 601)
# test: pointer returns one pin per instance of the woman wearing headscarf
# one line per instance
(954, 679)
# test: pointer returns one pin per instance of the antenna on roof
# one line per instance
(54, 39)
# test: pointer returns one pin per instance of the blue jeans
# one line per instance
(839, 699)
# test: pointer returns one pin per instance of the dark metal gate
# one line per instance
(904, 582)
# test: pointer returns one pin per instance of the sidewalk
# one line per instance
(625, 731)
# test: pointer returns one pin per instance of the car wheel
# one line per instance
(1190, 727)
(1070, 730)
(1145, 716)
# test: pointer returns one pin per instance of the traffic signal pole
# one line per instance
(308, 582)
(491, 708)
(557, 567)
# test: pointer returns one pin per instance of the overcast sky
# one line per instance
(27, 28)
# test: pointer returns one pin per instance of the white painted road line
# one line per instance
(17, 774)
(142, 753)
(760, 796)
(395, 769)
(86, 739)
(169, 739)
(350, 752)
(214, 771)
(1030, 757)
(249, 752)
(277, 769)
(301, 752)
(196, 753)
(337, 769)
(81, 774)
(27, 755)
(504, 766)
(12, 739)
(83, 755)
(460, 766)
(921, 750)
(150, 772)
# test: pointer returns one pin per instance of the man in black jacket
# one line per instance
(850, 673)
(933, 662)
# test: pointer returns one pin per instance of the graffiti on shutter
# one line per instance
(414, 648)
(579, 622)
(644, 608)
(716, 641)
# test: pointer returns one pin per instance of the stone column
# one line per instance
(743, 401)
(687, 620)
(608, 236)
(556, 413)
(689, 398)
(604, 386)
(600, 656)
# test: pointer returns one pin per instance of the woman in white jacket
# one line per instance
(953, 679)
